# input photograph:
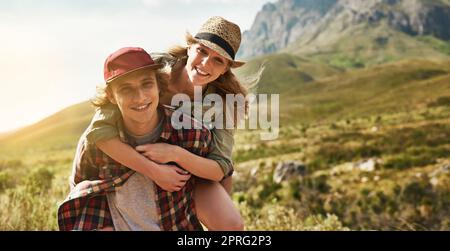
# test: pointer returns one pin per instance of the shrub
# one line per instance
(442, 101)
(5, 181)
(39, 180)
(273, 217)
(405, 161)
(263, 151)
(10, 164)
(418, 192)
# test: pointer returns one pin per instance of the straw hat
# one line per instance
(222, 36)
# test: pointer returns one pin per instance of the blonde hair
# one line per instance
(162, 79)
(227, 83)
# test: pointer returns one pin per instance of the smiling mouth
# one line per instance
(201, 73)
(141, 108)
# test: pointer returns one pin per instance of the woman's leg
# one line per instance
(215, 209)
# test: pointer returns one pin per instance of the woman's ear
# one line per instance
(226, 69)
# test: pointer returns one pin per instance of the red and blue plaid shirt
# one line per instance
(94, 174)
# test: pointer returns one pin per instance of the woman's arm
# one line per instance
(215, 166)
(227, 183)
(197, 165)
(168, 177)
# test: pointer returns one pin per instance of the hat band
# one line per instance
(217, 40)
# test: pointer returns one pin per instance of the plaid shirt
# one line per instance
(94, 174)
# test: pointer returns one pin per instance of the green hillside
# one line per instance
(389, 88)
(365, 45)
(312, 91)
(285, 71)
(59, 130)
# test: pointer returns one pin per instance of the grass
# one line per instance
(35, 190)
(402, 193)
(285, 71)
(366, 92)
(437, 44)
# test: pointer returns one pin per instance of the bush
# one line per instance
(405, 161)
(39, 180)
(263, 151)
(418, 192)
(5, 181)
(23, 210)
(320, 223)
(273, 217)
(335, 153)
(442, 101)
(10, 164)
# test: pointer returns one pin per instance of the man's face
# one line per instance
(204, 65)
(137, 96)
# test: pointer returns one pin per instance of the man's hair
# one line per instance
(162, 80)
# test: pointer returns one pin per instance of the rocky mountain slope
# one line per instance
(282, 24)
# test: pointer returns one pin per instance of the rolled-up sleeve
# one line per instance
(221, 150)
(103, 124)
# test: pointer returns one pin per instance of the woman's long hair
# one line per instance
(227, 83)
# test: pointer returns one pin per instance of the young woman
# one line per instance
(205, 62)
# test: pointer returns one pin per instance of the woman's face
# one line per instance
(204, 65)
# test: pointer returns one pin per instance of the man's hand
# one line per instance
(170, 178)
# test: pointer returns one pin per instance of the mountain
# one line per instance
(280, 24)
(313, 26)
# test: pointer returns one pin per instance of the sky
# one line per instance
(52, 51)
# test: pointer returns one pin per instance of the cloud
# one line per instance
(152, 3)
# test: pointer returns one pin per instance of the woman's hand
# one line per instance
(160, 152)
(170, 177)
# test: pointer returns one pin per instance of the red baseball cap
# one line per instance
(127, 60)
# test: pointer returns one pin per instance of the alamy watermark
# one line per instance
(209, 110)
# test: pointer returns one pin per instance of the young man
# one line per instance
(105, 195)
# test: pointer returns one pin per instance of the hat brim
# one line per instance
(148, 67)
(218, 49)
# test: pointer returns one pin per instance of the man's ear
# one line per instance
(110, 96)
